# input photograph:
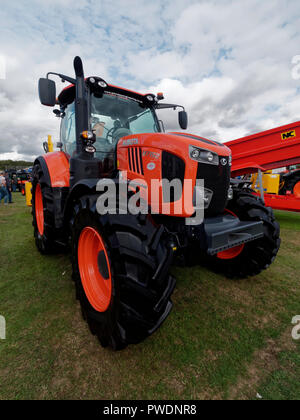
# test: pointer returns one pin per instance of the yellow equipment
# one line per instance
(28, 194)
(50, 144)
(48, 147)
(271, 182)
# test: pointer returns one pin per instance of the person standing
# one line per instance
(3, 190)
(8, 187)
(14, 182)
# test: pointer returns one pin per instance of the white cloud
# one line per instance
(228, 62)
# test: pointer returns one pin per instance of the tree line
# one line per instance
(14, 164)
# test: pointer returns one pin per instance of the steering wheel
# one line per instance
(110, 134)
(117, 133)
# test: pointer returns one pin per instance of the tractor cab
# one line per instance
(114, 116)
(113, 113)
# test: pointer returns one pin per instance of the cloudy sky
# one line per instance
(228, 62)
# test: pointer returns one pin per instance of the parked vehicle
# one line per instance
(121, 261)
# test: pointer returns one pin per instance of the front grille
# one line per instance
(135, 160)
(173, 167)
(216, 179)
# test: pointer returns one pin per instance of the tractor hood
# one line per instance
(170, 156)
(203, 143)
(178, 143)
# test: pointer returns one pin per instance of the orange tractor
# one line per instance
(121, 259)
(23, 176)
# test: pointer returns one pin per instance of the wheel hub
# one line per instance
(94, 269)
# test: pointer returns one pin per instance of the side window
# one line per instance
(68, 130)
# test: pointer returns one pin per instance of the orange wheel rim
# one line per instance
(231, 253)
(39, 209)
(297, 189)
(94, 269)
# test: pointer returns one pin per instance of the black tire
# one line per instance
(50, 241)
(139, 259)
(290, 180)
(256, 255)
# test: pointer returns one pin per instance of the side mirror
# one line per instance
(46, 147)
(183, 120)
(47, 92)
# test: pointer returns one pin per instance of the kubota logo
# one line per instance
(151, 166)
(288, 134)
(130, 142)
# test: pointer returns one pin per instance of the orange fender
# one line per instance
(58, 168)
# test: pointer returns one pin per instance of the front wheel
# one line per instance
(48, 238)
(291, 184)
(120, 269)
(253, 257)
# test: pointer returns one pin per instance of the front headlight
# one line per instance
(230, 193)
(202, 197)
(203, 155)
(195, 154)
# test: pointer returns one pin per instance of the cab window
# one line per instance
(68, 130)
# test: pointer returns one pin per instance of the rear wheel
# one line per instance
(251, 258)
(120, 269)
(291, 184)
(296, 189)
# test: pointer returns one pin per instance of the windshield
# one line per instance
(114, 116)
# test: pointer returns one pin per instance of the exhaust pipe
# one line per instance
(80, 106)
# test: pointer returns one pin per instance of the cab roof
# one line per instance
(67, 95)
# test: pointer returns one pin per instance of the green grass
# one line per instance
(223, 339)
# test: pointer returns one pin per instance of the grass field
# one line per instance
(224, 338)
